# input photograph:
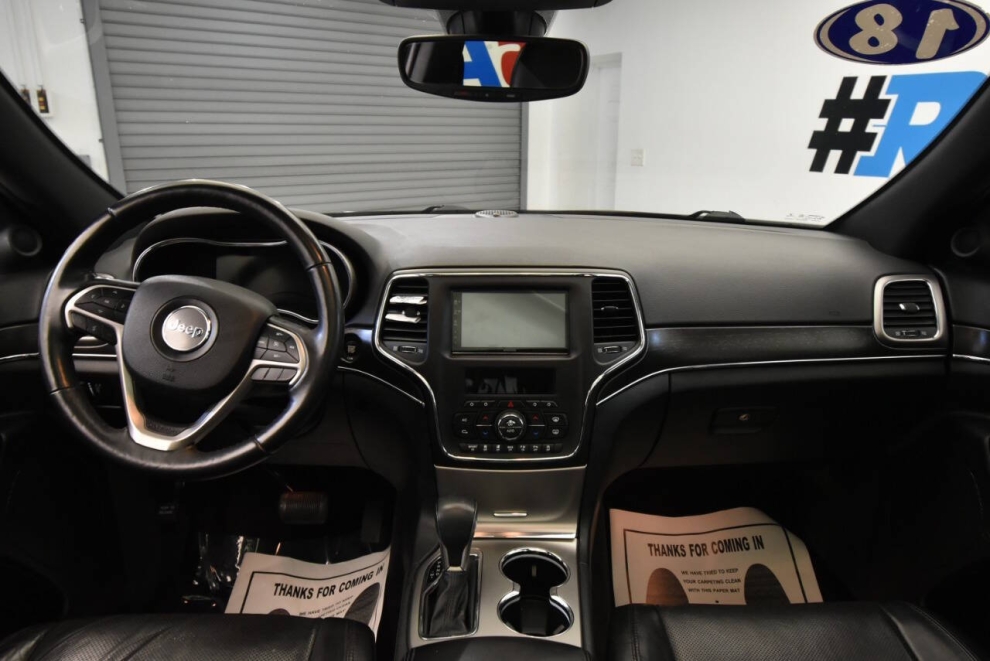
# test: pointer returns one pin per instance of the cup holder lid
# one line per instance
(534, 570)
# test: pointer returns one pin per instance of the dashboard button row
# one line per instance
(539, 427)
(503, 404)
(509, 448)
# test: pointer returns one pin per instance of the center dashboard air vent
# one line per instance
(616, 324)
(406, 317)
(908, 309)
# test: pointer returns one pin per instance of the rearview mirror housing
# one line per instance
(485, 68)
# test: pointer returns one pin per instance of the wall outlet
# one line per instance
(638, 158)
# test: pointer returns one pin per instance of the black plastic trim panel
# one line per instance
(971, 343)
(682, 348)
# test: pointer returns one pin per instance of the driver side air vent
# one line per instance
(909, 309)
(406, 316)
(614, 315)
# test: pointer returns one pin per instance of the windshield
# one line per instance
(790, 112)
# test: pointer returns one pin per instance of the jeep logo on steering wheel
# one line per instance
(186, 328)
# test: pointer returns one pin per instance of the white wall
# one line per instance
(722, 96)
(58, 58)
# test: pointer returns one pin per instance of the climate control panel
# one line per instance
(510, 427)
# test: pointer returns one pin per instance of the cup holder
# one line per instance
(532, 609)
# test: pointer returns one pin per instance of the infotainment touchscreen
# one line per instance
(510, 321)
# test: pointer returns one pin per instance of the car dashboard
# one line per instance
(515, 335)
(528, 362)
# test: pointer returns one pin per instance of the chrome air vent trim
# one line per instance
(937, 300)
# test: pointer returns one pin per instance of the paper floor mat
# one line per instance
(277, 585)
(738, 556)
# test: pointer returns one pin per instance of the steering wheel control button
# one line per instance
(279, 374)
(97, 309)
(92, 327)
(292, 348)
(120, 311)
(186, 328)
(276, 345)
(262, 341)
(261, 373)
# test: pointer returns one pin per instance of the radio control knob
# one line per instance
(510, 425)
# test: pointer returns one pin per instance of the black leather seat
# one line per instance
(813, 632)
(204, 637)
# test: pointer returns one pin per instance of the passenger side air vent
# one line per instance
(406, 316)
(909, 309)
(616, 325)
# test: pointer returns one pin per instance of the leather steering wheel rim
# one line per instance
(320, 345)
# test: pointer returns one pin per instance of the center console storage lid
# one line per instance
(497, 649)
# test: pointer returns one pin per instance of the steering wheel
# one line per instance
(197, 340)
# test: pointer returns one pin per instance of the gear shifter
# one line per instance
(456, 521)
(450, 605)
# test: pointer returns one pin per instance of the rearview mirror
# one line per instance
(490, 69)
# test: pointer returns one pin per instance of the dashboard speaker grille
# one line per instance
(406, 311)
(613, 311)
(909, 310)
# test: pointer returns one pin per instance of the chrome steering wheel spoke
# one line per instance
(100, 309)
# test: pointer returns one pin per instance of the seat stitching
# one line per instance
(349, 638)
(666, 634)
(635, 637)
(945, 632)
(145, 642)
(36, 643)
(897, 631)
(312, 641)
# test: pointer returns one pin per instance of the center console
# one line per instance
(509, 359)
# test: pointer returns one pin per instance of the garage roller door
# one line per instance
(301, 100)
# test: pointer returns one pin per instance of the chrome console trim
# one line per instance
(635, 353)
(495, 588)
(378, 379)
